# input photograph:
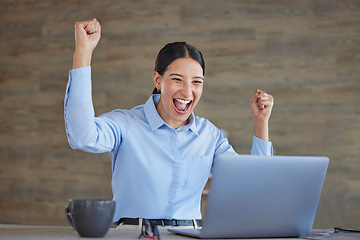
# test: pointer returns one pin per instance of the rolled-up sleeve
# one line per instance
(84, 131)
(261, 147)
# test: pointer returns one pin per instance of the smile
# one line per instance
(181, 106)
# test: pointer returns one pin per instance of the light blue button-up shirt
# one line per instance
(157, 172)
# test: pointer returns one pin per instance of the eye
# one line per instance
(198, 82)
(176, 79)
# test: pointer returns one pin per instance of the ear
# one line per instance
(157, 80)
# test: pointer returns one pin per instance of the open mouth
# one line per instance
(181, 106)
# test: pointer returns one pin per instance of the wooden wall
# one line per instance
(304, 52)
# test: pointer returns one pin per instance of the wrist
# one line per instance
(261, 129)
(82, 57)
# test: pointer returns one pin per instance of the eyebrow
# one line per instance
(176, 74)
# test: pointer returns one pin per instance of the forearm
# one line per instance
(261, 105)
(261, 147)
(261, 129)
(82, 58)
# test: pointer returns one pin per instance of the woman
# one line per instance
(161, 153)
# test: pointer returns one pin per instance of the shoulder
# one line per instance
(126, 116)
(136, 112)
(203, 124)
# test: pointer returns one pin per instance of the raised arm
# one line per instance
(85, 131)
(87, 36)
(261, 105)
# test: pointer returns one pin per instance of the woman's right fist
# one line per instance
(87, 34)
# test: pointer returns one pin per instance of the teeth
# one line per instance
(182, 101)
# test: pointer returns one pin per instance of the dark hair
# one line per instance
(172, 51)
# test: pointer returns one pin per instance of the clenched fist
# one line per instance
(261, 105)
(87, 36)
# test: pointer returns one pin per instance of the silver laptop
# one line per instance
(258, 196)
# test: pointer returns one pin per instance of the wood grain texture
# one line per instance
(304, 52)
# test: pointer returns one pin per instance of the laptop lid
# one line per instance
(259, 196)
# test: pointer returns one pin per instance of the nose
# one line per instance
(187, 90)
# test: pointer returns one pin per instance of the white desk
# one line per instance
(20, 232)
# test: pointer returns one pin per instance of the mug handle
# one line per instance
(68, 215)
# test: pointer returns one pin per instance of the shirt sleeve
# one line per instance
(261, 147)
(222, 144)
(84, 130)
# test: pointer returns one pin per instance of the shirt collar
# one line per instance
(155, 121)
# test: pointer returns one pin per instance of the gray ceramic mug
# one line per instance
(90, 217)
